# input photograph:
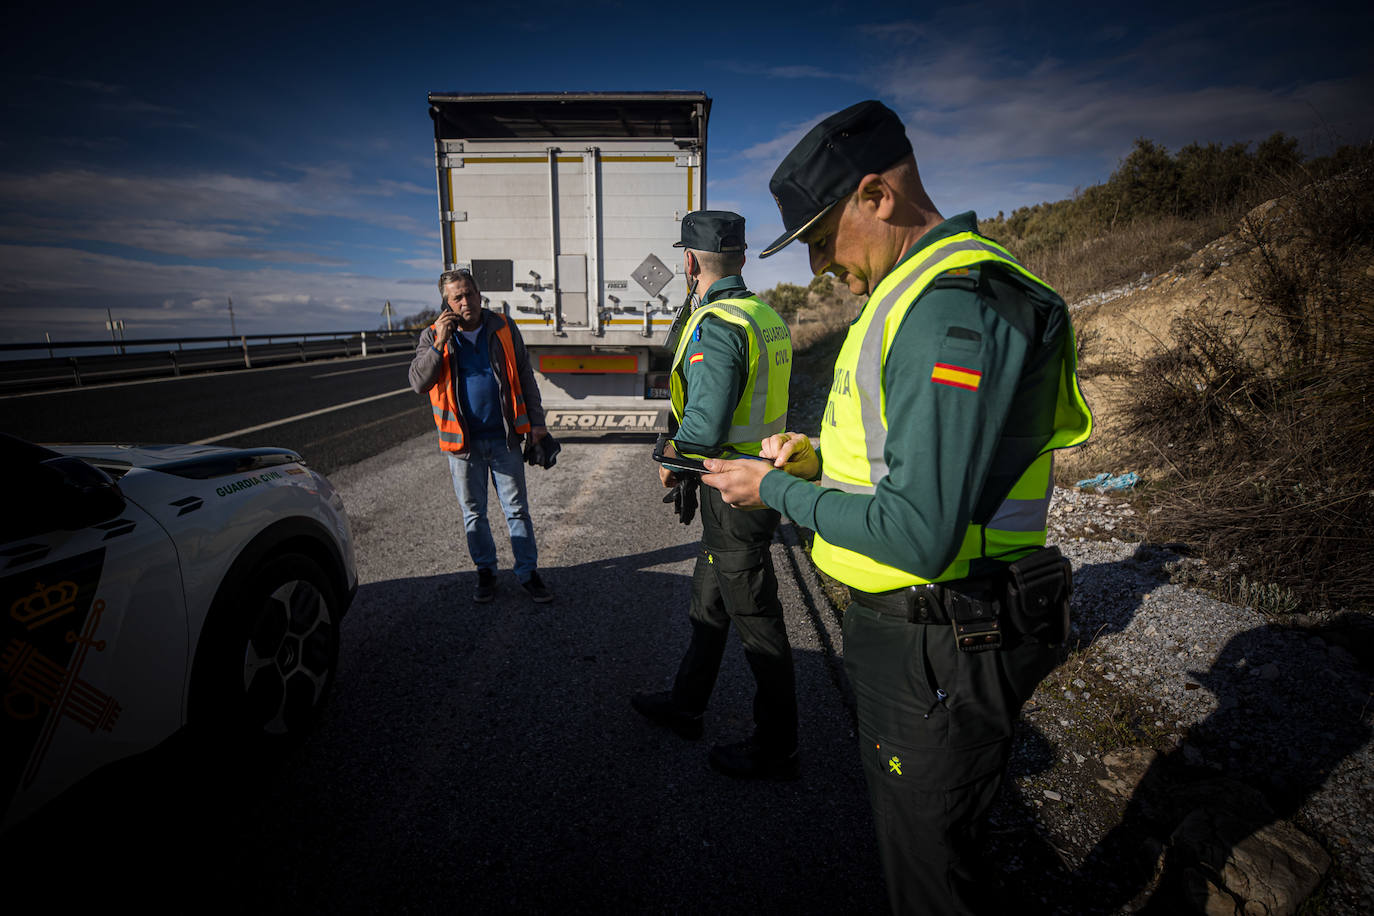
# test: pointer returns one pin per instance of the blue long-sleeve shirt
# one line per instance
(479, 394)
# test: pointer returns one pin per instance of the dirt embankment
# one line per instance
(1118, 328)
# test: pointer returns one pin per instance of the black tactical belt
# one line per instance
(974, 619)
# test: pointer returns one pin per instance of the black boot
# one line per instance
(658, 708)
(486, 586)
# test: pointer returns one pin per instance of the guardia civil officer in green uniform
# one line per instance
(731, 369)
(952, 389)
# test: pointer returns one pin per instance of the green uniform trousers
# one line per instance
(933, 765)
(734, 582)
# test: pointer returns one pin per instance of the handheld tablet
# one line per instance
(682, 465)
(676, 463)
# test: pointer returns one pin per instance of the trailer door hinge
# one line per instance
(450, 162)
(684, 161)
(456, 216)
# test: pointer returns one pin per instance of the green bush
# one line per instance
(420, 320)
(1151, 183)
(786, 299)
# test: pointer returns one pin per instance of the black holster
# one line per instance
(1028, 598)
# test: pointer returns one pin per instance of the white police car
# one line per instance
(144, 588)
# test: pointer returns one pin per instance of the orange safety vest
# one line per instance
(444, 399)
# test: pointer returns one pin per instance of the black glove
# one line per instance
(683, 496)
(543, 453)
(551, 447)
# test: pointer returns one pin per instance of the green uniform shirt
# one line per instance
(943, 442)
(715, 381)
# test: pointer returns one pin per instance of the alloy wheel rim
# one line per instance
(287, 658)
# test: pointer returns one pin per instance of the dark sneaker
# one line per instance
(658, 708)
(535, 586)
(748, 759)
(486, 586)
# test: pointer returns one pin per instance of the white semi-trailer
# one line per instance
(565, 207)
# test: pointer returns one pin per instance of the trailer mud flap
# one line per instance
(646, 420)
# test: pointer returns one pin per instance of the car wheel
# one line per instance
(274, 651)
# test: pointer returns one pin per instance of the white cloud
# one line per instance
(95, 86)
(66, 292)
(997, 125)
(772, 151)
(205, 215)
(165, 237)
(783, 71)
(995, 132)
(388, 188)
(898, 33)
(209, 196)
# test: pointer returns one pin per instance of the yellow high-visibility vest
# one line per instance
(762, 408)
(853, 444)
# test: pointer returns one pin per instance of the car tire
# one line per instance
(269, 653)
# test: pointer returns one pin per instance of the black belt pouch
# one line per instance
(1038, 590)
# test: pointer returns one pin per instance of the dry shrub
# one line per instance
(818, 331)
(823, 325)
(1266, 429)
(1078, 267)
(829, 308)
(1279, 522)
(1202, 394)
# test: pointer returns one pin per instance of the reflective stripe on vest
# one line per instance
(854, 435)
(762, 408)
(443, 397)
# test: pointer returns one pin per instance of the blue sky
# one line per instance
(156, 160)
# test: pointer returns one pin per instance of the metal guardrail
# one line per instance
(174, 356)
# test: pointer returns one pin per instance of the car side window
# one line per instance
(50, 492)
(29, 490)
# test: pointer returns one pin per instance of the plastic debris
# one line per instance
(1104, 482)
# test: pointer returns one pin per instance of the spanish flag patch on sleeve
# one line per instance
(956, 376)
(696, 358)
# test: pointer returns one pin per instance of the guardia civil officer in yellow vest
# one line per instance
(954, 386)
(731, 369)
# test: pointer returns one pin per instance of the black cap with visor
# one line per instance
(830, 161)
(712, 230)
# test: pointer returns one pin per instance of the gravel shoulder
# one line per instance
(1175, 708)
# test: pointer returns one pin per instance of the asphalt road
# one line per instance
(477, 759)
(333, 412)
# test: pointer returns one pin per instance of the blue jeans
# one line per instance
(495, 459)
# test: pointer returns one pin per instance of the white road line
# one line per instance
(301, 416)
(364, 369)
(188, 377)
(307, 447)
